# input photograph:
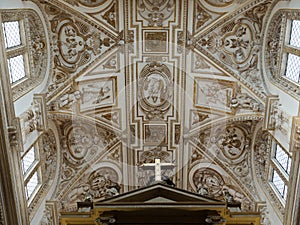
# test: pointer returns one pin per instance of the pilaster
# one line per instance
(11, 184)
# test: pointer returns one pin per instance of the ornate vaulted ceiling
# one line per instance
(178, 80)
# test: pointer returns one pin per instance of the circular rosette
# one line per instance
(79, 141)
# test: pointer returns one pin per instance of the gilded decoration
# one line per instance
(91, 3)
(106, 13)
(35, 40)
(83, 143)
(219, 3)
(98, 93)
(50, 216)
(201, 16)
(155, 134)
(134, 81)
(229, 146)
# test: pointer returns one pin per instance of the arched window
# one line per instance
(282, 52)
(24, 41)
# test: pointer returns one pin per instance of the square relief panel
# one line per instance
(213, 94)
(98, 93)
(155, 134)
(155, 41)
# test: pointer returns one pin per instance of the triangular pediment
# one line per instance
(159, 193)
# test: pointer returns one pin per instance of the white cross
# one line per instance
(157, 167)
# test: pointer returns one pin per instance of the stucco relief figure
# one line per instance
(232, 142)
(100, 184)
(97, 93)
(231, 195)
(208, 182)
(78, 142)
(69, 99)
(102, 95)
(216, 94)
(154, 89)
(70, 44)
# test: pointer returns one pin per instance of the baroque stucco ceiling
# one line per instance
(178, 80)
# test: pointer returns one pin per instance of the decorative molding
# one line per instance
(295, 134)
(155, 90)
(48, 151)
(50, 216)
(271, 109)
(35, 40)
(261, 157)
(274, 52)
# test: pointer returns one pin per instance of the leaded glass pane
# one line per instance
(279, 184)
(32, 184)
(283, 158)
(16, 68)
(28, 159)
(293, 68)
(12, 35)
(295, 34)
